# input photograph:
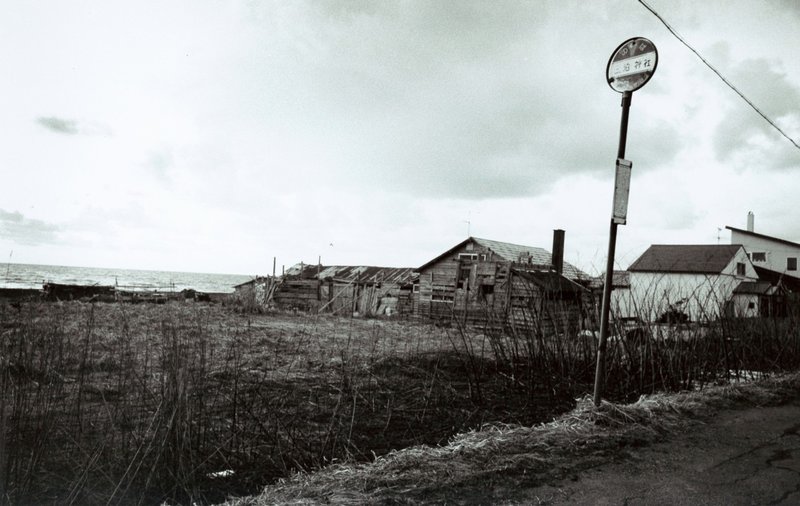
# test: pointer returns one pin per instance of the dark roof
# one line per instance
(619, 279)
(513, 253)
(762, 236)
(686, 258)
(551, 281)
(753, 288)
(778, 279)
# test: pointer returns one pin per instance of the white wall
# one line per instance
(777, 252)
(703, 295)
(622, 303)
(741, 305)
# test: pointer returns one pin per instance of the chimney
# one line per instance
(558, 251)
(751, 218)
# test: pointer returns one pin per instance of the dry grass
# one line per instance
(189, 403)
(501, 453)
(128, 404)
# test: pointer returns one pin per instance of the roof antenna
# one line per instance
(467, 221)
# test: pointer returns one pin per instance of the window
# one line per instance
(758, 256)
(442, 293)
(464, 271)
(741, 269)
(791, 264)
(467, 256)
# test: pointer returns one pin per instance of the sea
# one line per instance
(34, 276)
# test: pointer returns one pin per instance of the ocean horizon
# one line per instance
(33, 276)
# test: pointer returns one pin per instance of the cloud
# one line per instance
(443, 100)
(159, 163)
(22, 230)
(58, 125)
(743, 136)
(72, 127)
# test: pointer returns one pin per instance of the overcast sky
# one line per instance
(212, 136)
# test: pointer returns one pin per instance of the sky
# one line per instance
(225, 136)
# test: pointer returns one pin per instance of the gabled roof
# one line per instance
(686, 258)
(512, 253)
(762, 236)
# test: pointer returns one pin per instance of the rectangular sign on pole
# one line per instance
(622, 187)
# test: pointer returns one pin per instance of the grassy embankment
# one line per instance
(499, 463)
(139, 404)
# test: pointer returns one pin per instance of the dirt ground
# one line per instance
(747, 456)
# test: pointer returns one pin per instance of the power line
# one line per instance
(724, 80)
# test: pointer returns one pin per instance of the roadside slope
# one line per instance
(512, 464)
(747, 456)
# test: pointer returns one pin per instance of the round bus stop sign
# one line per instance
(632, 64)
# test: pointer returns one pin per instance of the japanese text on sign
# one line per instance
(641, 63)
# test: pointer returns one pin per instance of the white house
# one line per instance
(771, 253)
(697, 280)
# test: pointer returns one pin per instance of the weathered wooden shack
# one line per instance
(481, 281)
(366, 290)
(362, 290)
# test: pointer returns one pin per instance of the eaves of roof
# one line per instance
(763, 236)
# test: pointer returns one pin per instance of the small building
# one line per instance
(695, 282)
(256, 293)
(366, 290)
(752, 299)
(363, 290)
(481, 281)
(766, 252)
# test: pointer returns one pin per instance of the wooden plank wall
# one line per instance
(303, 294)
(512, 301)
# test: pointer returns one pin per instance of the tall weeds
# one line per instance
(188, 403)
(542, 348)
(184, 403)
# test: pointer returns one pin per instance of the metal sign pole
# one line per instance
(612, 246)
(630, 67)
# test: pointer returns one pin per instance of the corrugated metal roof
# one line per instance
(516, 253)
(353, 273)
(686, 258)
(368, 274)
